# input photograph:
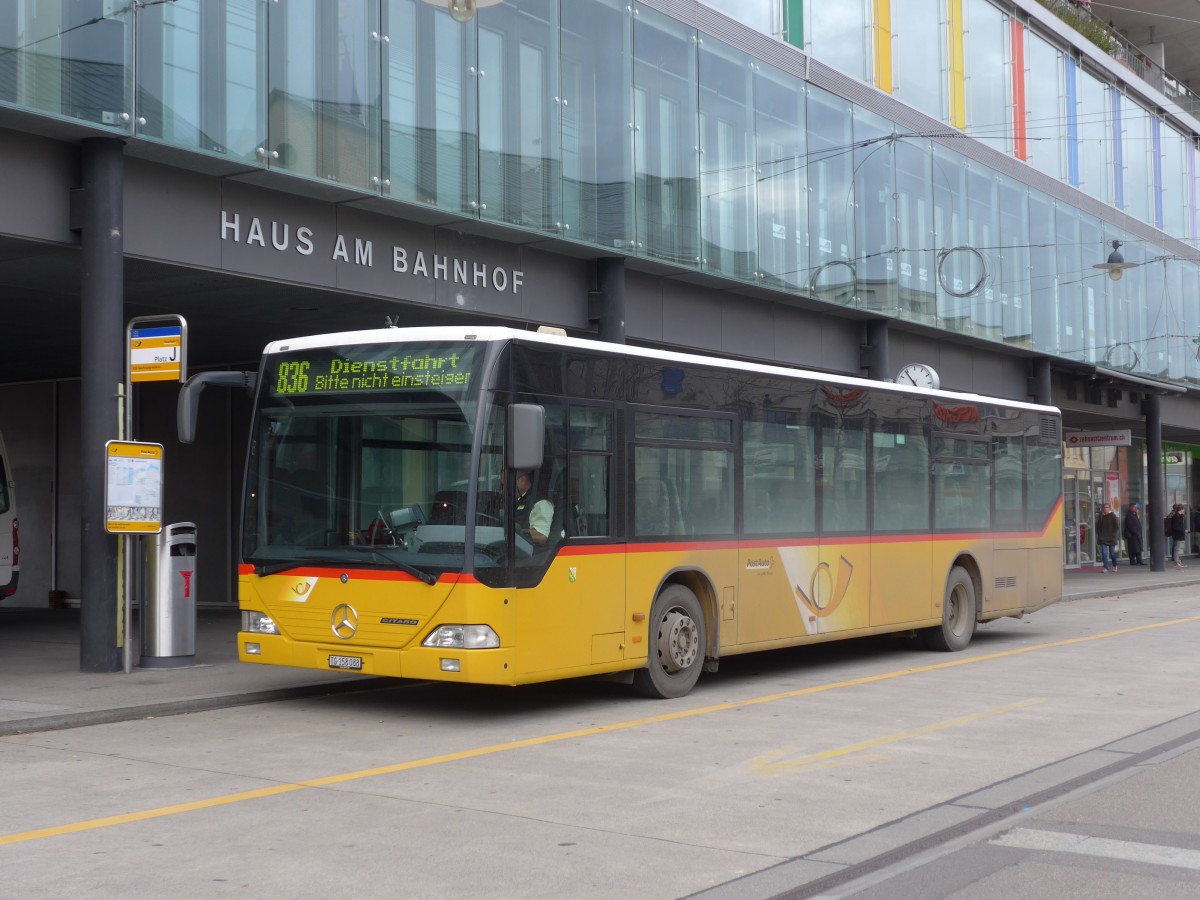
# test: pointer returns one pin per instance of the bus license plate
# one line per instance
(346, 662)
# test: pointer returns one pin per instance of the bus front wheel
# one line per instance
(958, 614)
(676, 649)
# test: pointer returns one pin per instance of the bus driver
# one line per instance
(531, 518)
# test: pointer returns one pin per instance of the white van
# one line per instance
(10, 546)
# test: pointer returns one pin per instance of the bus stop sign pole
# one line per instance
(156, 351)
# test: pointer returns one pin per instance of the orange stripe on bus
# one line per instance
(362, 574)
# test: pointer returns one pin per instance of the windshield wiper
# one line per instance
(283, 565)
(276, 567)
(399, 563)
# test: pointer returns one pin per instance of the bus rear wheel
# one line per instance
(958, 615)
(677, 640)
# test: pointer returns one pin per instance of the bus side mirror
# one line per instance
(526, 432)
(188, 405)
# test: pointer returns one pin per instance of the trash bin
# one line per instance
(169, 607)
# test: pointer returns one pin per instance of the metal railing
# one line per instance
(1078, 14)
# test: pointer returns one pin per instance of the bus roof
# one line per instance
(493, 333)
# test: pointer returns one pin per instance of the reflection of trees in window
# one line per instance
(843, 477)
(1008, 455)
(779, 486)
(1044, 468)
(962, 481)
(779, 465)
(900, 457)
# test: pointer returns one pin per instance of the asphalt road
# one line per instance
(869, 768)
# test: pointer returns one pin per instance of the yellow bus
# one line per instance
(485, 505)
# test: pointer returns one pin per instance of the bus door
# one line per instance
(901, 552)
(10, 559)
(682, 465)
(571, 609)
(839, 588)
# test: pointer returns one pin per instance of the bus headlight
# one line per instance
(466, 637)
(258, 623)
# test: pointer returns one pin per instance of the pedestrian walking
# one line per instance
(1132, 532)
(1108, 533)
(1176, 526)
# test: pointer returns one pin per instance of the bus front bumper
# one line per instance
(495, 666)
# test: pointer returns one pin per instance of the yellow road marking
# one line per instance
(343, 778)
(786, 766)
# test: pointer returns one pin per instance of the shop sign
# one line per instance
(1099, 438)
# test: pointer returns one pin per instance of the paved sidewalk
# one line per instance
(42, 689)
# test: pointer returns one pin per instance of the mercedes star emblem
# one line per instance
(344, 621)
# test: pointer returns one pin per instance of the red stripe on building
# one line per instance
(1020, 147)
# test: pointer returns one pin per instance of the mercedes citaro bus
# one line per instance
(678, 509)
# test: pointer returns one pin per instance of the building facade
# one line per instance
(844, 187)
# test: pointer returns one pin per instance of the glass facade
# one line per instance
(1044, 105)
(839, 34)
(597, 124)
(1137, 152)
(989, 75)
(429, 122)
(781, 177)
(68, 59)
(624, 130)
(918, 55)
(1091, 137)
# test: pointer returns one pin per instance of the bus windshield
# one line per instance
(361, 456)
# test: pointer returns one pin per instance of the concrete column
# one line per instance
(610, 283)
(1155, 486)
(1040, 386)
(873, 350)
(100, 218)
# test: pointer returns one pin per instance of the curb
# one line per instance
(1127, 587)
(109, 715)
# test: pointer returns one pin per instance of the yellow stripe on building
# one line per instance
(957, 79)
(883, 45)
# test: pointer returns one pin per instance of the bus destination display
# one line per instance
(401, 369)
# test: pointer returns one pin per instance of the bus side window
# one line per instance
(587, 500)
(652, 507)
